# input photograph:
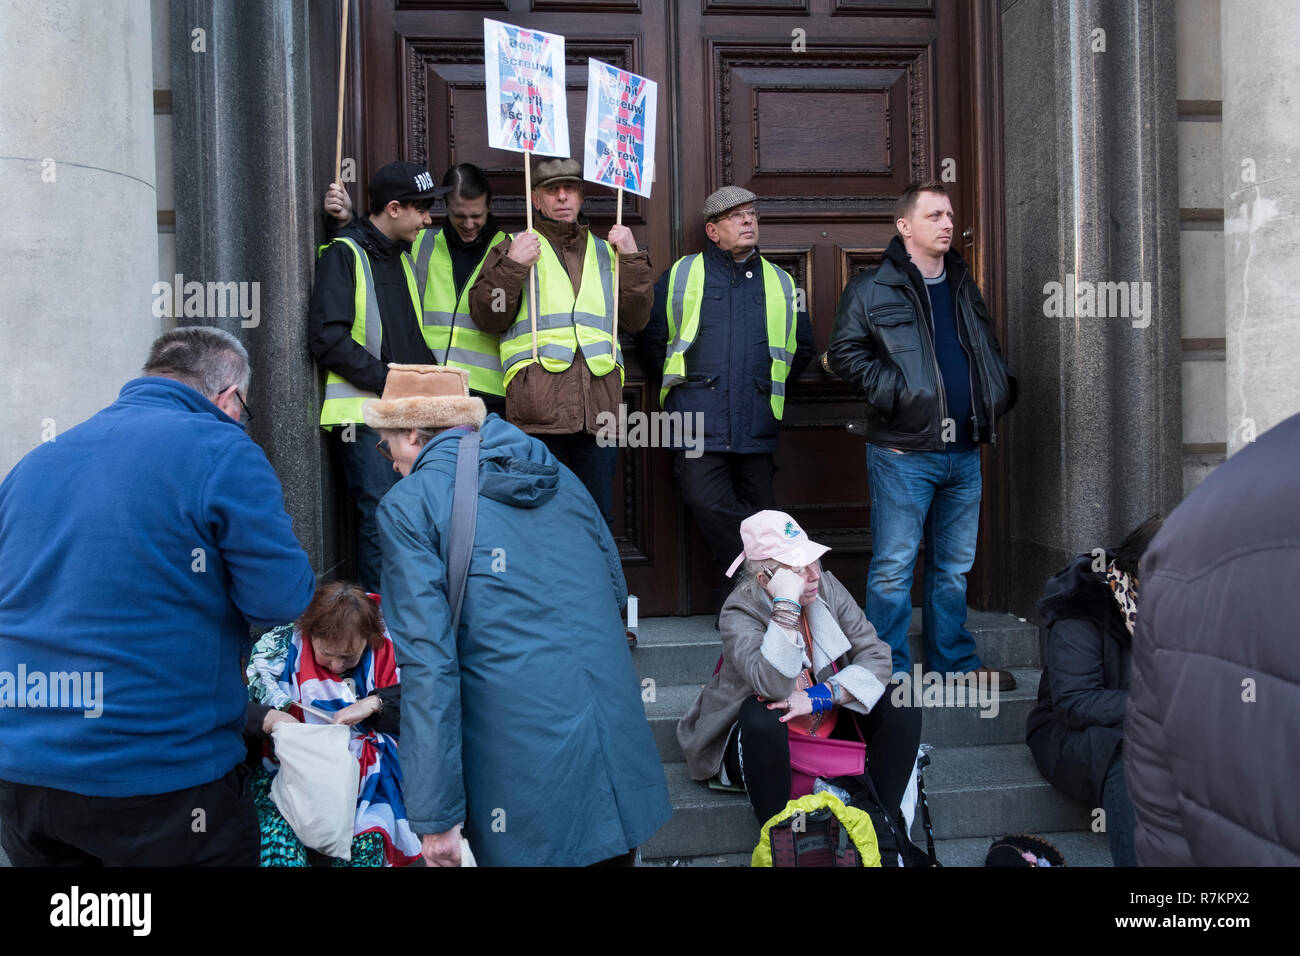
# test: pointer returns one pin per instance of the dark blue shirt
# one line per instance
(954, 364)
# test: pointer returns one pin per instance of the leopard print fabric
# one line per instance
(1123, 589)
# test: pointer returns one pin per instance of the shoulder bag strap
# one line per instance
(464, 517)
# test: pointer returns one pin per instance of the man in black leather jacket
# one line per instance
(915, 335)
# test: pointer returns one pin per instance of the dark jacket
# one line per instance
(1213, 724)
(728, 367)
(1077, 725)
(558, 403)
(139, 546)
(465, 256)
(526, 723)
(883, 342)
(333, 310)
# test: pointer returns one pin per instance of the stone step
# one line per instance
(975, 791)
(989, 790)
(1079, 847)
(684, 650)
(942, 726)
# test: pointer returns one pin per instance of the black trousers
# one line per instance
(41, 826)
(369, 475)
(759, 755)
(722, 490)
(595, 466)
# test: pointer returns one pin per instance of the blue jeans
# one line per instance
(933, 495)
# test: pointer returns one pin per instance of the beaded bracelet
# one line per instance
(820, 695)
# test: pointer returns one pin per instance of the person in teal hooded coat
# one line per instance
(526, 726)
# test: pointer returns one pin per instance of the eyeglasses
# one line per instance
(247, 412)
(739, 215)
(383, 449)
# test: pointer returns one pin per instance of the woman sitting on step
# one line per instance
(335, 665)
(798, 658)
(1076, 730)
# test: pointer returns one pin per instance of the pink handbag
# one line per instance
(813, 757)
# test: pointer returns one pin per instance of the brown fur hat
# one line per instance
(424, 396)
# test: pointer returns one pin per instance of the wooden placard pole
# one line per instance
(343, 57)
(532, 270)
(618, 221)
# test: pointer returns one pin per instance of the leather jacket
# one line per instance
(883, 342)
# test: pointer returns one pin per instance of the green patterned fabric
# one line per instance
(280, 847)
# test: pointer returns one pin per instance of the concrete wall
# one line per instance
(79, 254)
(1200, 218)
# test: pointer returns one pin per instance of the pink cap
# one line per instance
(775, 535)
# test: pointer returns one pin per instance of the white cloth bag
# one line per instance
(316, 788)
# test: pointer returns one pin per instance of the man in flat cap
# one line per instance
(365, 313)
(727, 332)
(561, 380)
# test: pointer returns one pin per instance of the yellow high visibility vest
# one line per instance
(567, 324)
(685, 294)
(343, 399)
(448, 329)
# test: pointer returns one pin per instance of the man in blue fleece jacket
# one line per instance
(135, 550)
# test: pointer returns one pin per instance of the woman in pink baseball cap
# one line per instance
(799, 659)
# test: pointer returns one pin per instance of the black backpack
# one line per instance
(891, 834)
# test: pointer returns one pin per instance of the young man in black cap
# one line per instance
(365, 313)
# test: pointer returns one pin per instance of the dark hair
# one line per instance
(208, 360)
(906, 204)
(1129, 553)
(468, 182)
(339, 611)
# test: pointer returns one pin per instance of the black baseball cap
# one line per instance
(405, 182)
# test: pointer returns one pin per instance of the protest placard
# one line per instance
(526, 108)
(620, 137)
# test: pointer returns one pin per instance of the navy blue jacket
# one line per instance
(138, 546)
(728, 369)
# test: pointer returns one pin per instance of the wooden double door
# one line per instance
(825, 109)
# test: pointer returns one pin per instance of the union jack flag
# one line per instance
(521, 91)
(621, 130)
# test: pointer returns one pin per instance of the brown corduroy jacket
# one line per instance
(559, 403)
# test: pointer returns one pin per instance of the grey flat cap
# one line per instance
(554, 169)
(728, 197)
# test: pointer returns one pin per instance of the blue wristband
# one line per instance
(821, 697)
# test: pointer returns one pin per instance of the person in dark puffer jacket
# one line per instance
(1213, 719)
(1076, 730)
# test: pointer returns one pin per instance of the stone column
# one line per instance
(79, 252)
(1091, 197)
(253, 154)
(1261, 185)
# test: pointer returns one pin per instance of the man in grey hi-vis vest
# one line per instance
(727, 332)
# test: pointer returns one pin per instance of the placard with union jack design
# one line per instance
(620, 141)
(526, 109)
